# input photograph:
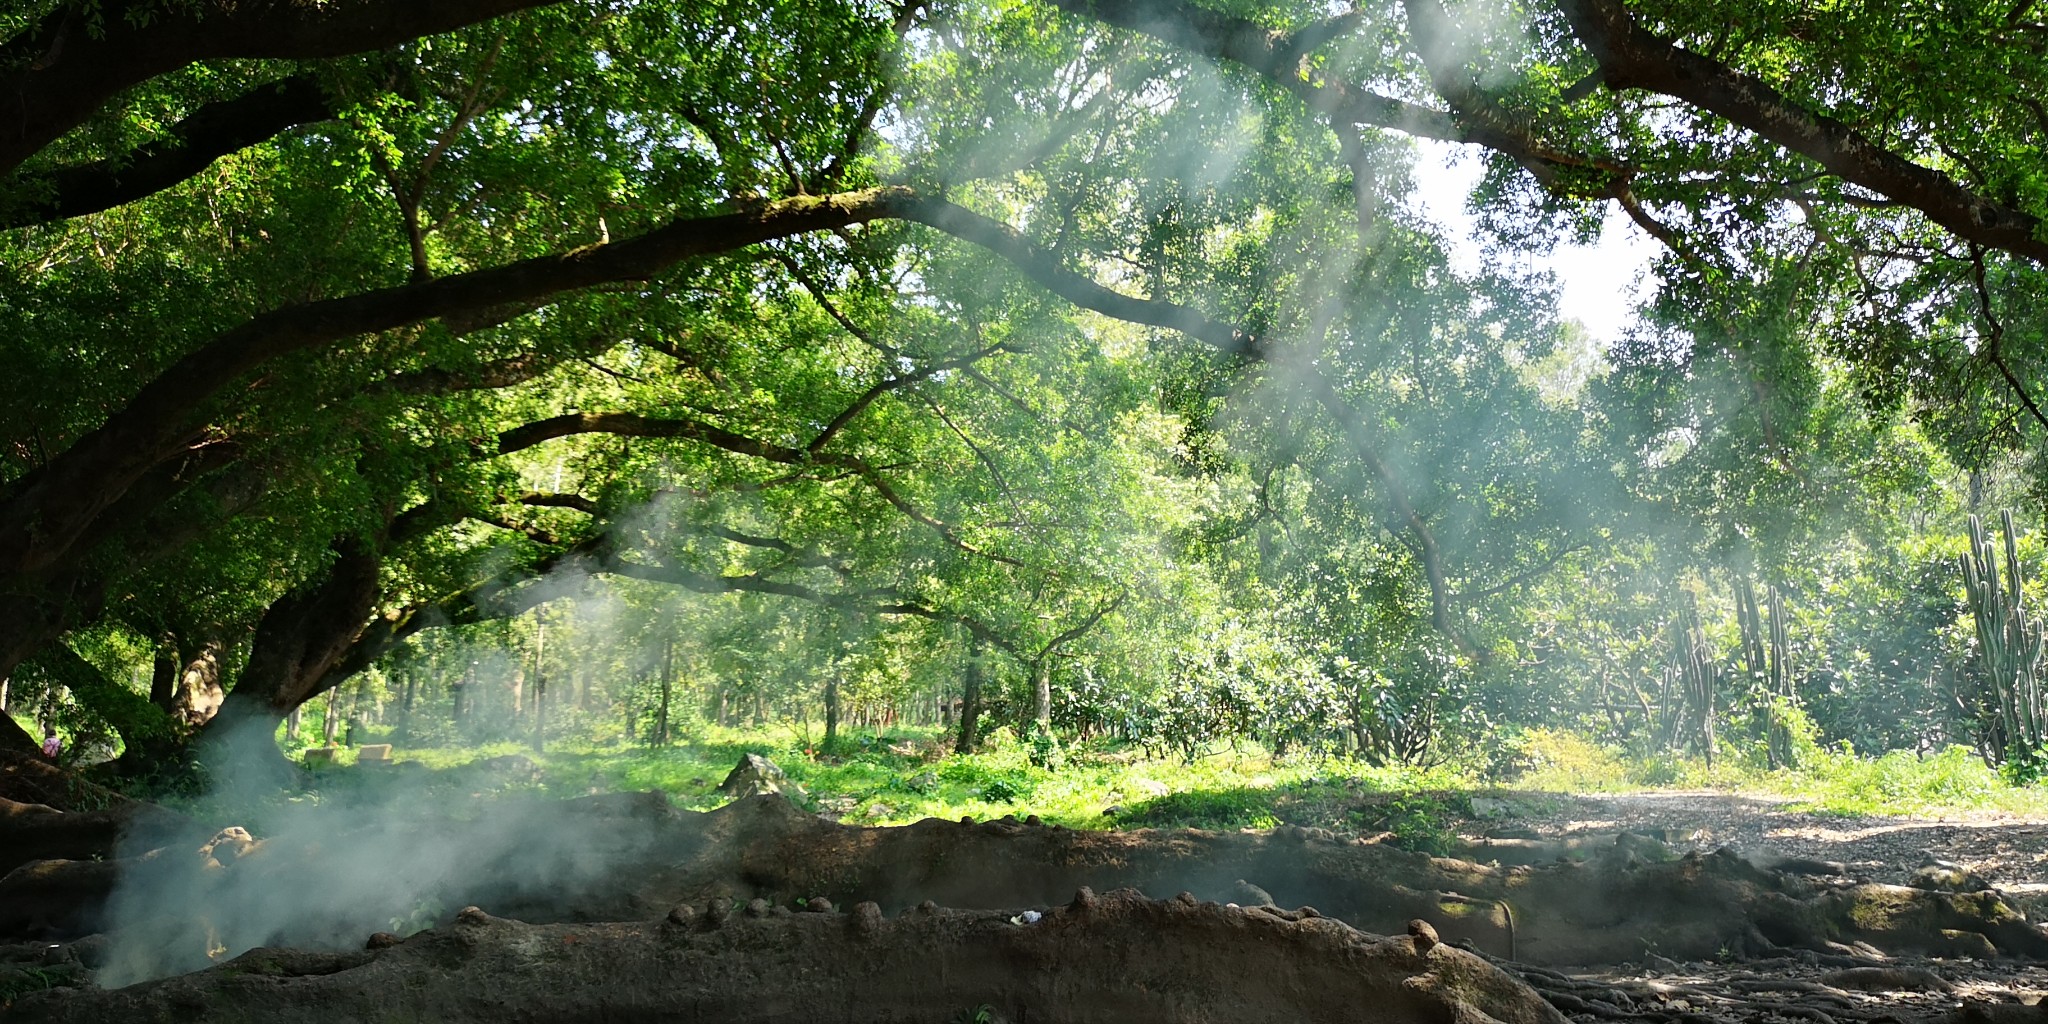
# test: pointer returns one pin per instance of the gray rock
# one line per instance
(756, 775)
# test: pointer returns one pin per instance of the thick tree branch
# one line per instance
(570, 501)
(1044, 268)
(1630, 57)
(60, 73)
(43, 514)
(625, 424)
(633, 425)
(1279, 56)
(1436, 39)
(190, 146)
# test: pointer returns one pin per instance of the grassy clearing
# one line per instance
(908, 774)
(1950, 781)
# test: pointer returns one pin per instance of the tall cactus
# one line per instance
(2010, 644)
(1693, 672)
(1767, 660)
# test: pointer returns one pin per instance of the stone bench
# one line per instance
(373, 753)
(319, 756)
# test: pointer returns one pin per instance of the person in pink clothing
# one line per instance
(51, 744)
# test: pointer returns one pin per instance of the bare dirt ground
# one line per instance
(622, 906)
(2009, 853)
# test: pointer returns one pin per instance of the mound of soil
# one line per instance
(305, 899)
(1114, 959)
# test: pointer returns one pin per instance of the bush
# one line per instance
(1207, 808)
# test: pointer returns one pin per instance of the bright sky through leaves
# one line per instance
(1601, 284)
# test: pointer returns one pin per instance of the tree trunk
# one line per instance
(540, 687)
(831, 711)
(411, 693)
(970, 700)
(298, 641)
(668, 692)
(163, 678)
(1041, 692)
(14, 737)
(632, 711)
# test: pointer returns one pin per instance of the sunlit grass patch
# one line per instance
(902, 775)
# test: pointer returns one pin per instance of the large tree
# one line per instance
(299, 270)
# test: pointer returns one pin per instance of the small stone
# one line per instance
(1113, 810)
(682, 914)
(781, 912)
(867, 918)
(818, 905)
(1251, 895)
(1307, 912)
(1084, 900)
(718, 910)
(382, 940)
(967, 819)
(757, 907)
(1031, 819)
(472, 916)
(1424, 934)
(1185, 898)
(927, 908)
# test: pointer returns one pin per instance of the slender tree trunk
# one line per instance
(970, 700)
(831, 710)
(632, 711)
(1041, 692)
(410, 694)
(540, 686)
(459, 694)
(330, 719)
(668, 691)
(163, 677)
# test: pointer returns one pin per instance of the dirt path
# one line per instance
(2008, 851)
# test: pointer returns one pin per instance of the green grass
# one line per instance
(1950, 781)
(908, 774)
